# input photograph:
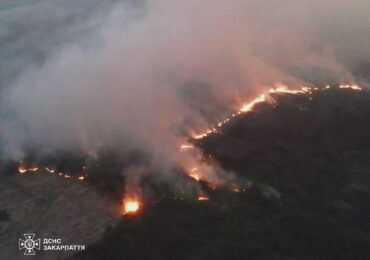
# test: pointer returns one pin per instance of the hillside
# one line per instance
(307, 159)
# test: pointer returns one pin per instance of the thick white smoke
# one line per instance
(146, 74)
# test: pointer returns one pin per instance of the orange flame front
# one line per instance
(247, 107)
(262, 98)
(23, 169)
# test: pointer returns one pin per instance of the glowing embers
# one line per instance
(237, 188)
(22, 169)
(185, 147)
(206, 133)
(49, 170)
(203, 198)
(353, 87)
(131, 206)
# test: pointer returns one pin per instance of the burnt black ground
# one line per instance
(309, 164)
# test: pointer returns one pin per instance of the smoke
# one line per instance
(148, 74)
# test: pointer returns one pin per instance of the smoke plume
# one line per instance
(152, 72)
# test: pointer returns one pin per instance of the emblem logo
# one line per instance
(29, 244)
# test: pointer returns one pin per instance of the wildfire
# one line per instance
(185, 147)
(22, 169)
(130, 206)
(200, 136)
(248, 107)
(203, 198)
(285, 89)
(194, 175)
(353, 87)
(206, 133)
(49, 170)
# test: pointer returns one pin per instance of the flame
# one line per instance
(130, 206)
(185, 147)
(279, 88)
(49, 170)
(353, 87)
(247, 107)
(194, 175)
(206, 133)
(22, 169)
(285, 89)
(200, 136)
(203, 198)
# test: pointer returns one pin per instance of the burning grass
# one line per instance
(308, 162)
(105, 172)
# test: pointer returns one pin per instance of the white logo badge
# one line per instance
(29, 244)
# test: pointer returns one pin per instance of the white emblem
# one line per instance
(29, 244)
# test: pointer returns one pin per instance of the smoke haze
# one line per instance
(78, 75)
